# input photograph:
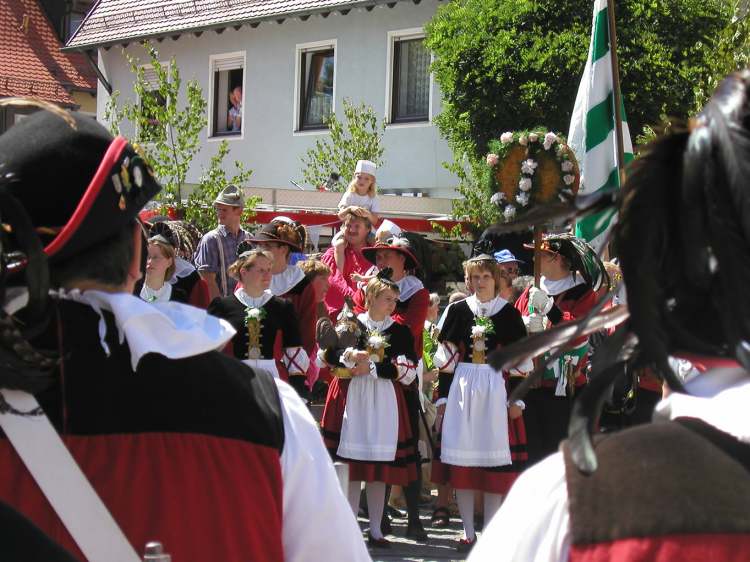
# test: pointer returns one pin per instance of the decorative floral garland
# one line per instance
(254, 321)
(558, 175)
(482, 328)
(376, 344)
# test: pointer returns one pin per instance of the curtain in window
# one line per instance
(413, 80)
(319, 88)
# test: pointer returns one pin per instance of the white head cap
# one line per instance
(365, 167)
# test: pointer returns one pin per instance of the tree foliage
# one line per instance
(168, 125)
(516, 64)
(358, 137)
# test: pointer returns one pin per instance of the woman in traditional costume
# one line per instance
(267, 326)
(483, 445)
(282, 237)
(169, 276)
(366, 421)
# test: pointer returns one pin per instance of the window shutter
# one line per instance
(229, 63)
(150, 75)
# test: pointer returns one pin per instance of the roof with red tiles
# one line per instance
(31, 62)
(117, 21)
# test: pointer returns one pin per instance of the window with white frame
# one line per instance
(152, 102)
(409, 95)
(315, 85)
(227, 94)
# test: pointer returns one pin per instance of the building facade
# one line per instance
(271, 79)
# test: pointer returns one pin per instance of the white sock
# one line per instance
(355, 489)
(492, 503)
(375, 501)
(465, 501)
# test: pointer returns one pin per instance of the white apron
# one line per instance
(369, 431)
(267, 364)
(475, 426)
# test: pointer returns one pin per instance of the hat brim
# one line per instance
(531, 247)
(410, 263)
(264, 237)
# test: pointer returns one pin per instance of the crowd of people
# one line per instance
(191, 424)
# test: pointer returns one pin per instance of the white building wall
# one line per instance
(269, 146)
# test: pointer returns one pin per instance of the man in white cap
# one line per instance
(217, 249)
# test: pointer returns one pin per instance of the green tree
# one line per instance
(516, 64)
(358, 137)
(167, 132)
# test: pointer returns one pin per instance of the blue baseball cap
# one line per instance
(505, 256)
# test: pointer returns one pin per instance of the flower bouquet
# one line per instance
(482, 328)
(376, 344)
(254, 322)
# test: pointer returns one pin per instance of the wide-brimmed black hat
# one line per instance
(287, 232)
(77, 184)
(581, 256)
(398, 244)
(181, 235)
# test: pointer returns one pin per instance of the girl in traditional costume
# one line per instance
(366, 421)
(267, 326)
(483, 445)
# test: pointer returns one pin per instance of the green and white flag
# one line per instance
(592, 128)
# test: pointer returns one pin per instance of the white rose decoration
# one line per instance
(523, 140)
(497, 198)
(549, 140)
(492, 160)
(533, 137)
(567, 166)
(477, 331)
(523, 199)
(506, 138)
(528, 167)
(253, 313)
(568, 179)
(524, 184)
(509, 212)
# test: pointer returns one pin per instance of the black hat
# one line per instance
(581, 256)
(183, 236)
(285, 231)
(398, 244)
(76, 183)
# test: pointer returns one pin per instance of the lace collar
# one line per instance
(379, 326)
(252, 302)
(408, 285)
(182, 268)
(283, 282)
(486, 309)
(554, 288)
(156, 295)
(172, 329)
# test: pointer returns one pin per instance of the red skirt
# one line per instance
(492, 479)
(401, 470)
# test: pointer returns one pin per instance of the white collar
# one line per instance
(172, 329)
(726, 410)
(283, 282)
(156, 295)
(553, 288)
(407, 286)
(371, 324)
(182, 268)
(486, 309)
(252, 302)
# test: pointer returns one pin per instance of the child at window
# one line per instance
(361, 199)
(234, 115)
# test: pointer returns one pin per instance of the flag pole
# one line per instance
(616, 90)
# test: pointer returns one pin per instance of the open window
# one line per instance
(409, 92)
(227, 94)
(316, 86)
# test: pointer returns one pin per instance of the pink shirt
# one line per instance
(341, 282)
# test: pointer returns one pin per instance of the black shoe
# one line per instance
(393, 512)
(372, 542)
(385, 525)
(416, 532)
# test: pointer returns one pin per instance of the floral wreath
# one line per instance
(530, 167)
